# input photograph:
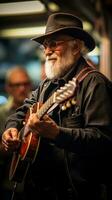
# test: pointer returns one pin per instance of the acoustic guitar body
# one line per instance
(25, 155)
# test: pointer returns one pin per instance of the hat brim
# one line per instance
(75, 32)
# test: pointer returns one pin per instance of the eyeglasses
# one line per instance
(17, 85)
(54, 44)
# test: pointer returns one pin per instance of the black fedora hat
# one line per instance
(68, 24)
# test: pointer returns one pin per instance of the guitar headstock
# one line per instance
(58, 97)
(65, 92)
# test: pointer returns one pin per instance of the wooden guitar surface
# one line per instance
(25, 155)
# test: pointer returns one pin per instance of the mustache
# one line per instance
(52, 57)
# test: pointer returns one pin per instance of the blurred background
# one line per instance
(22, 20)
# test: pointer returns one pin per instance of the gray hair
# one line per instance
(84, 49)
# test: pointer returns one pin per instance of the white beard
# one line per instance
(59, 66)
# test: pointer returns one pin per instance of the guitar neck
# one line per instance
(59, 96)
(46, 106)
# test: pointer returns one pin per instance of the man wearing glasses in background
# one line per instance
(73, 160)
(18, 87)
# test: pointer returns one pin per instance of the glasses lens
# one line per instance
(16, 85)
(54, 43)
(50, 44)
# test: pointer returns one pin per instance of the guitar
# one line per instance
(28, 149)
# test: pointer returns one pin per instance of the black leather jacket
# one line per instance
(80, 156)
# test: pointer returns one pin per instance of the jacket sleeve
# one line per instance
(95, 105)
(16, 120)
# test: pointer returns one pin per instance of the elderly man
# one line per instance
(70, 119)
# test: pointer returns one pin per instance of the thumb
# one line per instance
(14, 133)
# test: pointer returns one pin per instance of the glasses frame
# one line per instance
(18, 85)
(55, 43)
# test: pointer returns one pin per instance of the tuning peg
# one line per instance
(64, 107)
(73, 101)
(68, 104)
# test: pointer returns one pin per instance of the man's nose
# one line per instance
(48, 51)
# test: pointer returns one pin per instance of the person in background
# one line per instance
(75, 149)
(18, 87)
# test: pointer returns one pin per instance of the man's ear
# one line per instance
(76, 47)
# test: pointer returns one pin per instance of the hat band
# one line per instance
(55, 28)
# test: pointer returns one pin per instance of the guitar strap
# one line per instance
(83, 73)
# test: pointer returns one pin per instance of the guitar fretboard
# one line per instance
(46, 106)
